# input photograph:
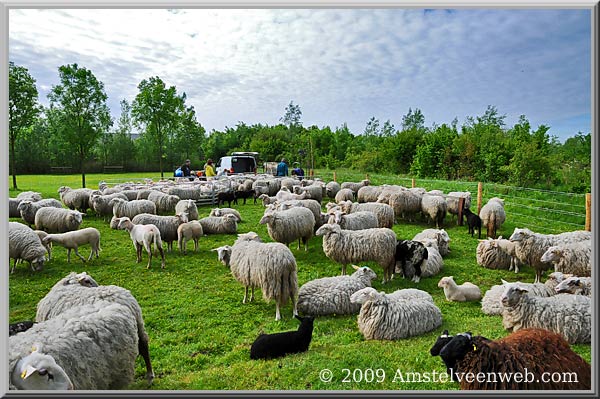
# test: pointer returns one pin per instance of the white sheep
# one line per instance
(348, 246)
(165, 203)
(332, 188)
(354, 221)
(344, 194)
(224, 211)
(574, 258)
(355, 186)
(385, 317)
(189, 231)
(441, 236)
(101, 203)
(312, 192)
(296, 223)
(24, 243)
(493, 215)
(453, 198)
(467, 291)
(71, 240)
(187, 206)
(384, 212)
(331, 295)
(27, 208)
(313, 205)
(575, 285)
(387, 191)
(405, 203)
(78, 199)
(284, 194)
(266, 200)
(143, 236)
(57, 220)
(434, 263)
(368, 193)
(434, 207)
(226, 224)
(498, 254)
(131, 208)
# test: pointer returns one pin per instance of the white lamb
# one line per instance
(143, 236)
(459, 293)
(189, 231)
(73, 239)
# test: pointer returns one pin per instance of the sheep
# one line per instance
(331, 295)
(441, 236)
(143, 194)
(453, 199)
(459, 293)
(30, 195)
(348, 246)
(355, 186)
(387, 191)
(473, 222)
(187, 206)
(435, 262)
(344, 194)
(332, 188)
(83, 279)
(266, 200)
(78, 199)
(439, 344)
(296, 223)
(412, 294)
(185, 192)
(368, 193)
(384, 212)
(565, 314)
(575, 258)
(270, 266)
(114, 222)
(411, 255)
(101, 203)
(226, 224)
(270, 346)
(575, 285)
(289, 183)
(245, 191)
(528, 352)
(353, 221)
(27, 208)
(131, 208)
(266, 186)
(312, 192)
(165, 203)
(286, 195)
(143, 236)
(405, 203)
(311, 204)
(189, 231)
(13, 203)
(531, 246)
(167, 225)
(224, 211)
(24, 243)
(42, 234)
(226, 196)
(21, 326)
(57, 220)
(493, 215)
(382, 317)
(73, 239)
(88, 347)
(434, 207)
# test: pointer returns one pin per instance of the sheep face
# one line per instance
(364, 295)
(224, 254)
(24, 205)
(364, 272)
(512, 294)
(446, 282)
(123, 223)
(520, 234)
(570, 286)
(456, 349)
(328, 229)
(440, 343)
(552, 254)
(38, 371)
(38, 263)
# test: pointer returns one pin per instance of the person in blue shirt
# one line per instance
(298, 171)
(282, 168)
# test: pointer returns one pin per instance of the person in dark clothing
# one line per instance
(187, 170)
(282, 168)
(298, 171)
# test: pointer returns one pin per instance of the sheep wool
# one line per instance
(384, 212)
(574, 258)
(368, 193)
(133, 208)
(354, 221)
(101, 203)
(332, 189)
(296, 223)
(225, 224)
(344, 194)
(28, 208)
(492, 256)
(24, 243)
(224, 211)
(165, 203)
(441, 236)
(57, 220)
(78, 199)
(187, 206)
(493, 215)
(435, 208)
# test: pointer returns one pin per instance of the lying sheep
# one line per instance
(493, 215)
(24, 243)
(167, 225)
(27, 208)
(435, 262)
(78, 199)
(498, 254)
(345, 194)
(440, 236)
(384, 212)
(226, 224)
(459, 293)
(165, 203)
(332, 188)
(73, 239)
(271, 346)
(187, 206)
(434, 207)
(575, 258)
(296, 223)
(331, 295)
(57, 220)
(575, 285)
(189, 231)
(353, 221)
(131, 209)
(219, 212)
(382, 317)
(348, 246)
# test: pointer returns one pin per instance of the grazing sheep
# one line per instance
(15, 328)
(187, 206)
(143, 236)
(189, 231)
(331, 295)
(332, 188)
(165, 203)
(387, 191)
(434, 207)
(101, 203)
(411, 255)
(565, 314)
(131, 208)
(345, 194)
(270, 346)
(575, 285)
(348, 246)
(384, 212)
(405, 203)
(493, 215)
(459, 293)
(224, 211)
(24, 243)
(453, 198)
(575, 258)
(296, 223)
(73, 239)
(167, 225)
(226, 224)
(368, 193)
(78, 199)
(382, 317)
(311, 204)
(531, 246)
(535, 352)
(28, 208)
(473, 222)
(355, 186)
(353, 221)
(13, 203)
(312, 192)
(440, 236)
(57, 220)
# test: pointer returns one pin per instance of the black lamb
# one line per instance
(473, 221)
(410, 255)
(19, 327)
(228, 196)
(269, 346)
(244, 195)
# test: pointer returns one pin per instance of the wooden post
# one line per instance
(334, 176)
(588, 212)
(413, 183)
(461, 205)
(312, 173)
(367, 176)
(479, 195)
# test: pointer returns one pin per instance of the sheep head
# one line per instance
(364, 295)
(439, 344)
(364, 272)
(512, 294)
(456, 349)
(327, 229)
(446, 282)
(224, 254)
(552, 254)
(39, 371)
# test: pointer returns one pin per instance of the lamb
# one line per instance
(355, 186)
(531, 246)
(493, 215)
(165, 203)
(270, 266)
(143, 236)
(575, 258)
(27, 208)
(57, 220)
(296, 223)
(575, 285)
(270, 346)
(565, 314)
(286, 195)
(226, 224)
(332, 188)
(434, 207)
(331, 295)
(453, 198)
(101, 203)
(368, 193)
(384, 212)
(114, 222)
(411, 255)
(473, 222)
(167, 225)
(532, 351)
(78, 199)
(382, 317)
(348, 246)
(88, 347)
(266, 200)
(189, 231)
(187, 206)
(312, 192)
(224, 211)
(73, 239)
(24, 243)
(441, 236)
(353, 221)
(460, 293)
(131, 208)
(344, 194)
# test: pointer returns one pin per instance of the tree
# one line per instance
(292, 115)
(157, 110)
(23, 109)
(413, 120)
(79, 111)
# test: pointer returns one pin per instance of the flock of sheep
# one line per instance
(356, 227)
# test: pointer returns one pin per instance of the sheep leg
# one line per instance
(14, 266)
(277, 314)
(144, 351)
(251, 294)
(162, 257)
(78, 254)
(149, 259)
(245, 295)
(92, 254)
(196, 244)
(293, 298)
(69, 255)
(305, 240)
(343, 269)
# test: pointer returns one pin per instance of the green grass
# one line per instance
(200, 332)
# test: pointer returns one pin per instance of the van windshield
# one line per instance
(243, 164)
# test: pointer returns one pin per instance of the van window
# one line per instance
(243, 164)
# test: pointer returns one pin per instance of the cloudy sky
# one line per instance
(343, 65)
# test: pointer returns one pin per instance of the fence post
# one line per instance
(461, 205)
(366, 176)
(311, 173)
(479, 195)
(334, 176)
(588, 212)
(413, 183)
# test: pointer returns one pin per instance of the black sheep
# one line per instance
(228, 196)
(410, 255)
(245, 194)
(19, 327)
(440, 343)
(473, 221)
(269, 346)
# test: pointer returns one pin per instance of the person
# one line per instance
(209, 170)
(186, 169)
(282, 168)
(298, 171)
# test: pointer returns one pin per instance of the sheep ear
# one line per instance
(355, 267)
(504, 282)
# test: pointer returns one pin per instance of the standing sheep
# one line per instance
(332, 189)
(78, 199)
(368, 193)
(493, 215)
(189, 231)
(453, 198)
(143, 236)
(24, 243)
(345, 194)
(226, 224)
(434, 207)
(131, 208)
(296, 223)
(460, 293)
(313, 205)
(167, 225)
(355, 186)
(405, 203)
(101, 203)
(353, 221)
(165, 203)
(312, 192)
(28, 208)
(73, 239)
(575, 258)
(187, 206)
(384, 212)
(57, 220)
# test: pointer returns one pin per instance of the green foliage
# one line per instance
(292, 116)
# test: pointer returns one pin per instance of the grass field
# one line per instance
(200, 332)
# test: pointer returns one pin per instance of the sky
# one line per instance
(339, 65)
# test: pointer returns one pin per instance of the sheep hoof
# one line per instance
(416, 279)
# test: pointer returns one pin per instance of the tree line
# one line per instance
(157, 131)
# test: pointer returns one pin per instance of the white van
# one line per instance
(238, 162)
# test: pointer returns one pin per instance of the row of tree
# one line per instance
(158, 130)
